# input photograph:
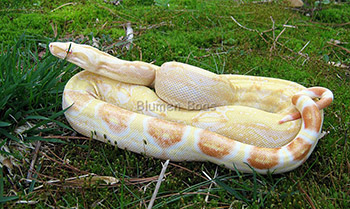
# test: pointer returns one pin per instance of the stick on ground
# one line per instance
(150, 205)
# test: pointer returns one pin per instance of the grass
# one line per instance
(197, 32)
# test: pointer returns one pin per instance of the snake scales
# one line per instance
(241, 122)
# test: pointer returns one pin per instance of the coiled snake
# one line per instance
(241, 122)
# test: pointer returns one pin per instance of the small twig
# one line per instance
(112, 12)
(208, 55)
(307, 197)
(58, 181)
(289, 26)
(253, 30)
(304, 47)
(154, 26)
(140, 52)
(208, 177)
(211, 184)
(19, 10)
(63, 5)
(285, 23)
(129, 35)
(150, 205)
(278, 36)
(266, 31)
(337, 42)
(144, 180)
(338, 65)
(273, 34)
(303, 55)
(186, 169)
(331, 24)
(65, 164)
(199, 22)
(242, 25)
(291, 50)
(343, 48)
(68, 182)
(275, 40)
(77, 181)
(32, 164)
(261, 1)
(54, 29)
(27, 202)
(260, 34)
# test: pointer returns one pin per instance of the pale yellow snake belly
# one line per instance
(241, 122)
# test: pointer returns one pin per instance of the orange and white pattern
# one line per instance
(241, 122)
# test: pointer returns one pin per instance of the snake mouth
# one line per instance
(60, 50)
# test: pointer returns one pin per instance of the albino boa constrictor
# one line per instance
(195, 115)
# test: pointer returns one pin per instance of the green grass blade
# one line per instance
(31, 187)
(48, 119)
(8, 135)
(4, 124)
(39, 138)
(7, 199)
(231, 190)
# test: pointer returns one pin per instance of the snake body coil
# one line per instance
(193, 115)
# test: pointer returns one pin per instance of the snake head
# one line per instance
(61, 50)
(82, 55)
